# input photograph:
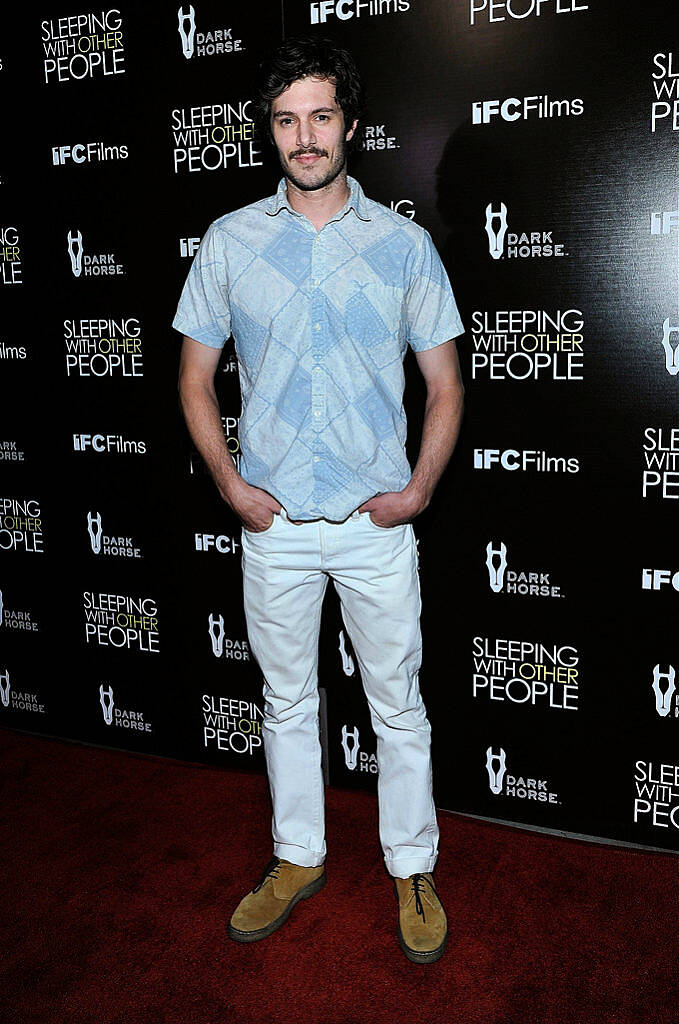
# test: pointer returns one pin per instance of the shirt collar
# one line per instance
(356, 201)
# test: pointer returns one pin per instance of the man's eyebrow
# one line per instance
(318, 110)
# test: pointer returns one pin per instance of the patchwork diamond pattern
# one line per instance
(388, 257)
(288, 256)
(320, 348)
(364, 323)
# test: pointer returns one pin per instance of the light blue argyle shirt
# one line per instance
(321, 321)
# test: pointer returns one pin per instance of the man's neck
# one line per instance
(321, 204)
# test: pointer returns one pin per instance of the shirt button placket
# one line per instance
(318, 325)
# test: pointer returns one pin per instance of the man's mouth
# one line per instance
(307, 158)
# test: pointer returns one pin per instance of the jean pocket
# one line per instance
(376, 526)
(259, 533)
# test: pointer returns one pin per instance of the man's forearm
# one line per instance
(203, 419)
(442, 418)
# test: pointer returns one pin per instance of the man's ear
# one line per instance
(351, 131)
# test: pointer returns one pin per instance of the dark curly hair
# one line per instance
(306, 56)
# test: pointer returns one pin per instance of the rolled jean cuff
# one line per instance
(404, 867)
(296, 855)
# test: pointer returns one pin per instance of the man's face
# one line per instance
(308, 129)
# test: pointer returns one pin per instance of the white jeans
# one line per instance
(375, 572)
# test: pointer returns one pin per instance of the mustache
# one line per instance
(307, 152)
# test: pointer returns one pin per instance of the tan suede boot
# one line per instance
(422, 922)
(269, 904)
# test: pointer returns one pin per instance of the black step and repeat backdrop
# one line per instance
(537, 141)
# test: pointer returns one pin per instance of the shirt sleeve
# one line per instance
(203, 312)
(432, 317)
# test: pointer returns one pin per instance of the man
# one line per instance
(323, 290)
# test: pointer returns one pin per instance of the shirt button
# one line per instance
(317, 327)
(315, 458)
(315, 282)
(317, 413)
(317, 369)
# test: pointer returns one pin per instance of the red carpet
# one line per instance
(120, 873)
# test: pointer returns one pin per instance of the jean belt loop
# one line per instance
(284, 514)
(355, 514)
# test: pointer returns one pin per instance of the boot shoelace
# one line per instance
(271, 870)
(417, 888)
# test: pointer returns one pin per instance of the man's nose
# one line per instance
(305, 134)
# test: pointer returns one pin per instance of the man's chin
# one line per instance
(305, 181)
(315, 179)
(309, 185)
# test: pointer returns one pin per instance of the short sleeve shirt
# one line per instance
(321, 322)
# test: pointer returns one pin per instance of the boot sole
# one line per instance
(422, 958)
(261, 933)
